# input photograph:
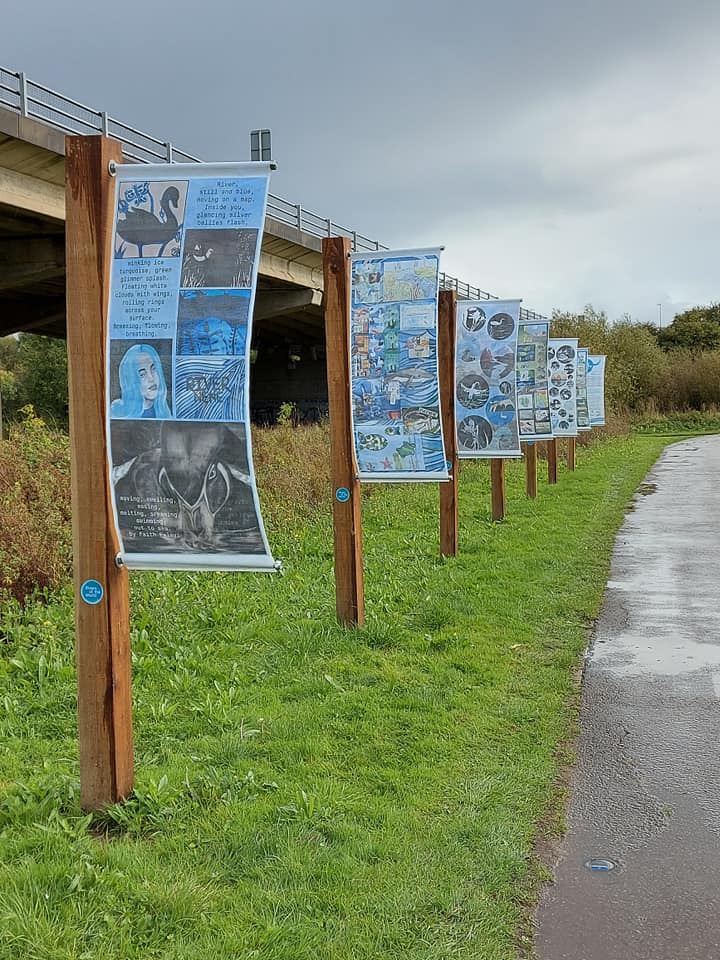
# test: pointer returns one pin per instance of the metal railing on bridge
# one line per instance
(33, 100)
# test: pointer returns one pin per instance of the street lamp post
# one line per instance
(660, 314)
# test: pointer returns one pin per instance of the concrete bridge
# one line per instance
(288, 320)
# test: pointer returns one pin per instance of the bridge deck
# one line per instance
(32, 244)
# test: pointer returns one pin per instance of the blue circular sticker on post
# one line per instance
(342, 494)
(92, 592)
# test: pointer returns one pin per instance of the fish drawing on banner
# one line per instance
(533, 396)
(562, 366)
(395, 397)
(486, 406)
(182, 285)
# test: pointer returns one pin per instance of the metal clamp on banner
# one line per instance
(112, 168)
(119, 562)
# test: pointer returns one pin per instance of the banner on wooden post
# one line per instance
(596, 389)
(187, 243)
(533, 397)
(485, 389)
(562, 359)
(581, 399)
(397, 426)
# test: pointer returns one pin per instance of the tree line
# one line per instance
(670, 369)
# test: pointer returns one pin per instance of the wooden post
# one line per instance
(551, 449)
(530, 469)
(347, 514)
(103, 620)
(571, 453)
(497, 488)
(446, 360)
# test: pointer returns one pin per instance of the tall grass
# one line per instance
(293, 470)
(35, 534)
(292, 465)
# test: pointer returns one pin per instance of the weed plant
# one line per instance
(306, 791)
(35, 533)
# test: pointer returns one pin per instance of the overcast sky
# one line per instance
(562, 152)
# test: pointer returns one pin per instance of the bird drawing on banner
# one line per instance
(142, 228)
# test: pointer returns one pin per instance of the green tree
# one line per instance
(8, 353)
(41, 376)
(636, 364)
(696, 329)
(8, 379)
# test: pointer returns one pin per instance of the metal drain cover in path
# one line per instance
(600, 865)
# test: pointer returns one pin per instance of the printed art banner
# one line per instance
(394, 366)
(562, 360)
(186, 249)
(485, 389)
(596, 389)
(581, 396)
(533, 400)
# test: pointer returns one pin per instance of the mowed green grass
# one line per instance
(305, 791)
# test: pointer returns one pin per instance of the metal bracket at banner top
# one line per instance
(112, 166)
(119, 561)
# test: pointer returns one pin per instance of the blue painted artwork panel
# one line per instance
(394, 367)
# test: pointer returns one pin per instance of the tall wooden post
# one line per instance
(551, 450)
(347, 514)
(102, 611)
(571, 453)
(446, 360)
(530, 469)
(497, 488)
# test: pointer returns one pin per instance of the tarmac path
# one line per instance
(645, 793)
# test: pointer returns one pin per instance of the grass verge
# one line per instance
(678, 424)
(306, 791)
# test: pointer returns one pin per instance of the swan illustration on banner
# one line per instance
(143, 232)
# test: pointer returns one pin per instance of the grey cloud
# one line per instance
(413, 121)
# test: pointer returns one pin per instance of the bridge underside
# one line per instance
(289, 337)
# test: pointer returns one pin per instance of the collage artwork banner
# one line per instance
(186, 250)
(485, 387)
(397, 428)
(533, 398)
(562, 366)
(596, 389)
(581, 396)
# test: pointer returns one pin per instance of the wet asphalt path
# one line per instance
(646, 789)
